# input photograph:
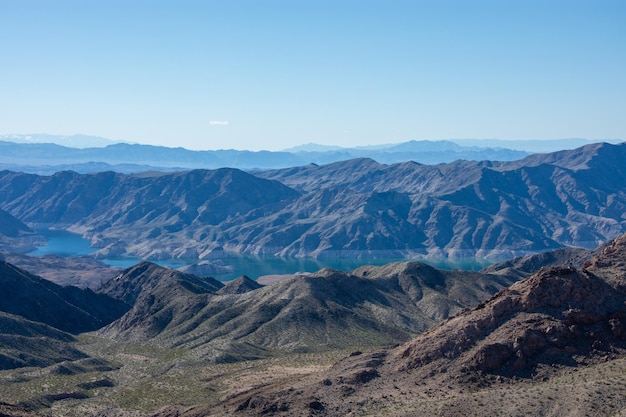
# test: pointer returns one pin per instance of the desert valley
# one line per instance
(540, 330)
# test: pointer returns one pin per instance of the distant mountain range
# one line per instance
(72, 141)
(47, 154)
(356, 208)
(47, 158)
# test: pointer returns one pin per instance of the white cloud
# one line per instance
(218, 122)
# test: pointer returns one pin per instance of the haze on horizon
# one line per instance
(276, 74)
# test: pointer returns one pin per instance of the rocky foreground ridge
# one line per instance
(354, 208)
(558, 319)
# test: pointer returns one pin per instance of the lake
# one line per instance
(66, 244)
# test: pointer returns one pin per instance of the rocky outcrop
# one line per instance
(522, 267)
(558, 316)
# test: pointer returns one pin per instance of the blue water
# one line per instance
(66, 244)
(62, 243)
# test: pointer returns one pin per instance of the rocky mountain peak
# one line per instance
(146, 277)
(239, 286)
(556, 316)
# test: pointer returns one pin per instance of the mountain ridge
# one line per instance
(26, 343)
(69, 309)
(557, 321)
(357, 208)
(42, 157)
(243, 320)
(15, 236)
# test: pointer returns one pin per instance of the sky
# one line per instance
(272, 74)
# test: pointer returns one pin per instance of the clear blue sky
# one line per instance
(274, 74)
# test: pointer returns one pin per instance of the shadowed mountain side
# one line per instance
(556, 319)
(28, 343)
(328, 309)
(15, 236)
(12, 227)
(70, 309)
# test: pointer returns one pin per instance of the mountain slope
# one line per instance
(160, 297)
(69, 309)
(537, 330)
(371, 306)
(485, 209)
(171, 214)
(15, 236)
(356, 208)
(331, 222)
(28, 343)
